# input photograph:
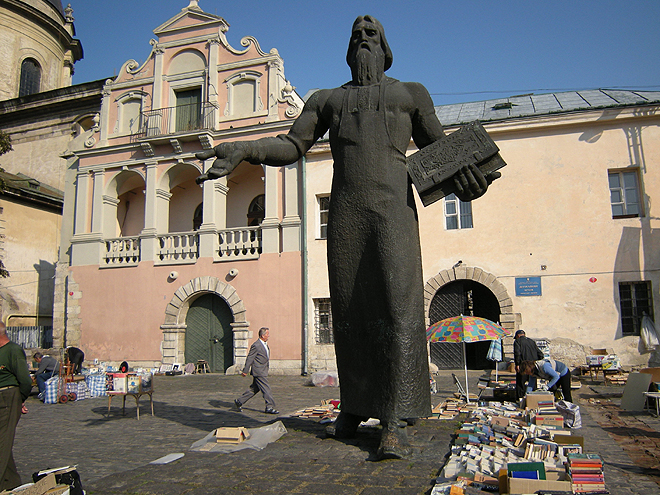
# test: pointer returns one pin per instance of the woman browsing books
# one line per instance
(555, 372)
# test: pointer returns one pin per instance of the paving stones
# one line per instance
(112, 451)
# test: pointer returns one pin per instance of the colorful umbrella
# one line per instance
(465, 329)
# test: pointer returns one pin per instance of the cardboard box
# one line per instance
(231, 435)
(532, 400)
(594, 360)
(555, 480)
(569, 440)
(553, 420)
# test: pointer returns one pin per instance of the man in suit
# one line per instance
(257, 365)
(524, 349)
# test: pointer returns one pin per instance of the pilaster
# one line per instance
(270, 227)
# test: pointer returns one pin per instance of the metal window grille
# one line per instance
(458, 214)
(635, 299)
(624, 194)
(324, 208)
(31, 337)
(323, 321)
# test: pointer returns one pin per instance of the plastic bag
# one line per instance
(571, 414)
(325, 379)
(649, 334)
(259, 438)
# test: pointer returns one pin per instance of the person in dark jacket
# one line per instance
(76, 358)
(15, 387)
(524, 349)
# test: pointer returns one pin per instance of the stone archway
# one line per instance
(508, 319)
(174, 327)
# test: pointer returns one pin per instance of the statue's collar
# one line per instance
(383, 82)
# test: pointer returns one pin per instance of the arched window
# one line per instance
(256, 211)
(198, 216)
(30, 77)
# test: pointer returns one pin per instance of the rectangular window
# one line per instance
(324, 207)
(635, 299)
(323, 321)
(458, 214)
(624, 194)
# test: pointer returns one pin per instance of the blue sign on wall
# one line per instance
(528, 286)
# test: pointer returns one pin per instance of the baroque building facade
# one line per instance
(158, 268)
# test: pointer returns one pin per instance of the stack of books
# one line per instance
(586, 472)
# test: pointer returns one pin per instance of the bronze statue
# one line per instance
(374, 257)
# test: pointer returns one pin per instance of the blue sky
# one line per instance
(461, 50)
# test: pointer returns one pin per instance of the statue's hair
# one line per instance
(383, 41)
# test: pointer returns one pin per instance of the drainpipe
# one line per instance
(305, 329)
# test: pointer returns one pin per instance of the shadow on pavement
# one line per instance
(193, 417)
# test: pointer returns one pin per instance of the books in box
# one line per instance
(231, 435)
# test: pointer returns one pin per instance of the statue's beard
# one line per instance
(368, 67)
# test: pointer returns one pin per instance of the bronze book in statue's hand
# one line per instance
(432, 168)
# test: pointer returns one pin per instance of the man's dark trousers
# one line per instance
(10, 413)
(259, 383)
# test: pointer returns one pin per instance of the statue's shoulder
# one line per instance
(322, 97)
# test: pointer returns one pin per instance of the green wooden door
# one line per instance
(208, 333)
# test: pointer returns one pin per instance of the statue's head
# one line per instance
(368, 51)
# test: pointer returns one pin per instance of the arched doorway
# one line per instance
(209, 333)
(466, 297)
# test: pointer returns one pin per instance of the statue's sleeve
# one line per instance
(288, 148)
(425, 124)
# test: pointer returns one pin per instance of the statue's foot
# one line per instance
(345, 426)
(394, 442)
(201, 178)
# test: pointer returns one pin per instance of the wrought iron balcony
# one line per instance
(171, 120)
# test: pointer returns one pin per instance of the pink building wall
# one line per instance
(122, 309)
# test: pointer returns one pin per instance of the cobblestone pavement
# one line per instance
(113, 452)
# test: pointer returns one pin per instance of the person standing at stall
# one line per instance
(524, 349)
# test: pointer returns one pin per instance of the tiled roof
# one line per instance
(536, 105)
(30, 189)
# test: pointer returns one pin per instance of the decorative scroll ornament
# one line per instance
(287, 97)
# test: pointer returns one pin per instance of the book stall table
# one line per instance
(130, 384)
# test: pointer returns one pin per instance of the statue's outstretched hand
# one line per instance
(228, 156)
(471, 183)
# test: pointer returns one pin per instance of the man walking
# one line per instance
(15, 387)
(257, 364)
(524, 349)
(48, 366)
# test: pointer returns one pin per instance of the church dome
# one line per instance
(58, 5)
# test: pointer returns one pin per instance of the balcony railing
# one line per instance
(177, 248)
(182, 118)
(122, 251)
(243, 243)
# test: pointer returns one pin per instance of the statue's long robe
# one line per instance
(374, 256)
